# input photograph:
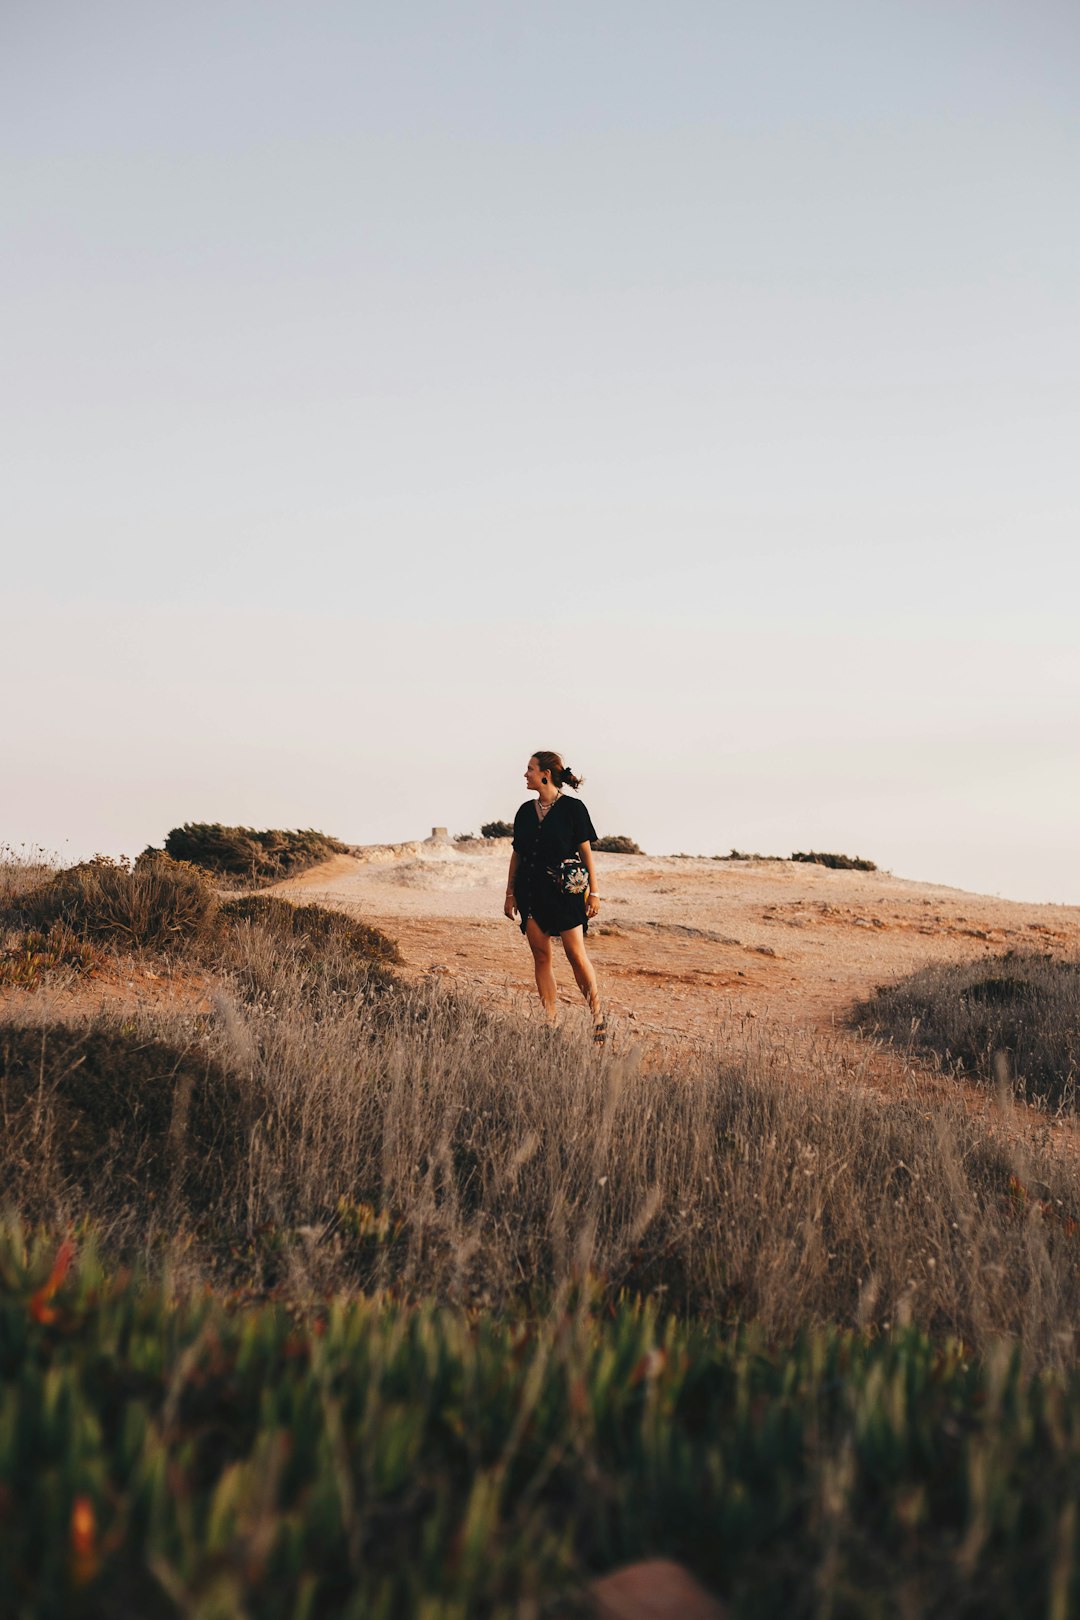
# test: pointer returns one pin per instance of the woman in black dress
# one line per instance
(552, 882)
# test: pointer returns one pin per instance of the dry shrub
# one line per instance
(1022, 1007)
(157, 902)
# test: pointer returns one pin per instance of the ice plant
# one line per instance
(40, 1307)
(84, 1557)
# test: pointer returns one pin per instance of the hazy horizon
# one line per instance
(393, 393)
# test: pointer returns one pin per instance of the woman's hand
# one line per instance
(508, 905)
(592, 905)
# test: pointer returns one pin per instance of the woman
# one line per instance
(546, 885)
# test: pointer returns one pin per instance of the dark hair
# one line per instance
(560, 774)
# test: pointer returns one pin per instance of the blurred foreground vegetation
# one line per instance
(164, 1455)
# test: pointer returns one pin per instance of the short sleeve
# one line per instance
(520, 842)
(584, 831)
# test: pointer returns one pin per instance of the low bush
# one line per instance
(497, 829)
(740, 855)
(839, 863)
(245, 855)
(617, 844)
(157, 903)
(1023, 1008)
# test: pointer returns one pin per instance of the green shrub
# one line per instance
(617, 844)
(497, 829)
(839, 863)
(1025, 1007)
(242, 853)
(158, 902)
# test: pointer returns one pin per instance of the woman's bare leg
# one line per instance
(584, 972)
(540, 945)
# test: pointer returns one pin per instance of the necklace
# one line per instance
(542, 808)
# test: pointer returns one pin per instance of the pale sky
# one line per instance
(392, 390)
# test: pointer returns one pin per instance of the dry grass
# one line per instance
(22, 870)
(372, 1136)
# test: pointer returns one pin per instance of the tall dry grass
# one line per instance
(373, 1136)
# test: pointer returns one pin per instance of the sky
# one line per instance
(391, 391)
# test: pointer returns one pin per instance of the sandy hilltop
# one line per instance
(684, 941)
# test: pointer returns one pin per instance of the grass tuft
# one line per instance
(1019, 1013)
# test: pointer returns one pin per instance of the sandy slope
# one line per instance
(684, 941)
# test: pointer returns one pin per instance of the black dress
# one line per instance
(542, 845)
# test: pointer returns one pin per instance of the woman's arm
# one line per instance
(592, 901)
(508, 904)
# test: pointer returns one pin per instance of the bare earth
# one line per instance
(682, 941)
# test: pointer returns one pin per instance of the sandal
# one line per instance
(599, 1033)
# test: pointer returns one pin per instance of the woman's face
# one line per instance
(533, 773)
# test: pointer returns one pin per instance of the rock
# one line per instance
(654, 1590)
